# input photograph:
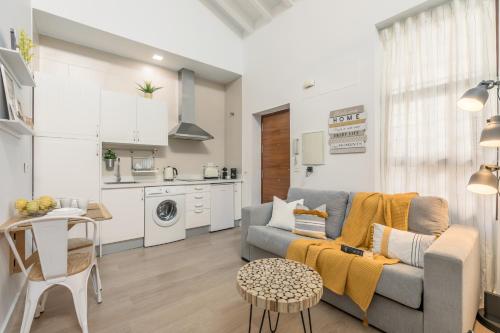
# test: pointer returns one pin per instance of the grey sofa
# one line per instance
(442, 297)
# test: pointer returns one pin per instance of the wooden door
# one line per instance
(275, 159)
(118, 117)
(152, 122)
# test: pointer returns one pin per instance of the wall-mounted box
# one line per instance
(313, 148)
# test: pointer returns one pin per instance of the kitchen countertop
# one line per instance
(170, 183)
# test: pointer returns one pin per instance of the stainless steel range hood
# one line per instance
(187, 129)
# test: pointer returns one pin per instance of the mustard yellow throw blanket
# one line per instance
(348, 274)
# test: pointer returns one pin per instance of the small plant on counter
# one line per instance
(110, 158)
(25, 47)
(148, 89)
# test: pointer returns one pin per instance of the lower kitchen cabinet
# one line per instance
(197, 206)
(127, 207)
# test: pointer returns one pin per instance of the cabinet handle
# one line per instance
(199, 205)
(198, 211)
(198, 188)
(198, 197)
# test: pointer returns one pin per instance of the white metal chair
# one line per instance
(57, 266)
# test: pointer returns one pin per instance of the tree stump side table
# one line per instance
(279, 285)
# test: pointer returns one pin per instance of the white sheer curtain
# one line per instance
(429, 145)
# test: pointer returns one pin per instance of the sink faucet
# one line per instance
(118, 175)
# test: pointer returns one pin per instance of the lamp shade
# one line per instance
(483, 182)
(490, 136)
(474, 99)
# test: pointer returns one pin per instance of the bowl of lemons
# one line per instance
(36, 207)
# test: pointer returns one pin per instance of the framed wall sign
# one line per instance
(347, 130)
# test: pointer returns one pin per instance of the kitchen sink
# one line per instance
(113, 183)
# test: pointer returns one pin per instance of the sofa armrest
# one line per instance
(254, 215)
(452, 281)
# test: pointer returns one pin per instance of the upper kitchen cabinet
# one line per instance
(152, 122)
(66, 107)
(118, 117)
(133, 120)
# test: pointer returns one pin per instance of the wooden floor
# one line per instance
(187, 286)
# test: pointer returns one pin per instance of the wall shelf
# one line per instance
(16, 128)
(16, 66)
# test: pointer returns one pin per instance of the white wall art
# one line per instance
(347, 130)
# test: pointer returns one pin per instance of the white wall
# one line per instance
(336, 44)
(233, 125)
(186, 27)
(14, 153)
(120, 74)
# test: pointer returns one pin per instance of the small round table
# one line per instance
(279, 285)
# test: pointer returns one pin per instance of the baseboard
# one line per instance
(197, 231)
(122, 246)
(8, 317)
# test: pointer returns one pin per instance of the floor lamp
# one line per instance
(485, 181)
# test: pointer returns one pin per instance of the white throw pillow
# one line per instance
(283, 217)
(406, 246)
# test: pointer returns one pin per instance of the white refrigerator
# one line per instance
(222, 207)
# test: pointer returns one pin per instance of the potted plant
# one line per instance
(148, 89)
(25, 47)
(110, 158)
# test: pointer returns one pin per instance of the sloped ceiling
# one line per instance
(245, 16)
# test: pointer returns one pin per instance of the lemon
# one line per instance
(32, 207)
(21, 204)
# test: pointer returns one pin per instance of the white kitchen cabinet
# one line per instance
(222, 207)
(152, 121)
(197, 206)
(67, 168)
(237, 201)
(133, 120)
(66, 107)
(118, 117)
(127, 207)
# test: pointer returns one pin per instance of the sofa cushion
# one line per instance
(336, 203)
(271, 239)
(428, 215)
(400, 282)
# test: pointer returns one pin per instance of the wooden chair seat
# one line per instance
(78, 261)
(78, 243)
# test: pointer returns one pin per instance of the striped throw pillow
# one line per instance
(310, 222)
(406, 246)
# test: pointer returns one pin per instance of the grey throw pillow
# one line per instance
(336, 203)
(428, 215)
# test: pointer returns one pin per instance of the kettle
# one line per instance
(169, 173)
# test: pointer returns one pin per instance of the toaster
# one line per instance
(210, 171)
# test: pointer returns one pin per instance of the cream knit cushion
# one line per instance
(283, 217)
(406, 246)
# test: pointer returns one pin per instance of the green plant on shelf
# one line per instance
(25, 47)
(109, 155)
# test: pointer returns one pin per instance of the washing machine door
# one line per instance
(167, 213)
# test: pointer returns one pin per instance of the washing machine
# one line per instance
(164, 215)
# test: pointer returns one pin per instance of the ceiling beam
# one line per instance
(245, 24)
(257, 4)
(288, 3)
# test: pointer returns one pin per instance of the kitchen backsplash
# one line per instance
(187, 165)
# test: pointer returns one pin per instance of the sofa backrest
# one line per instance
(336, 204)
(428, 215)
